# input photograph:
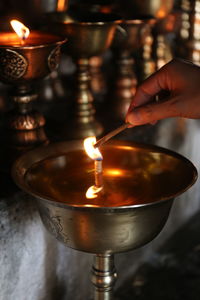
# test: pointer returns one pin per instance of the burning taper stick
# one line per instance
(96, 155)
(111, 134)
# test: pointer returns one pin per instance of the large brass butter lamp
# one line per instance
(89, 35)
(125, 209)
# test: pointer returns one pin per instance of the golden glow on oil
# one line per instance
(113, 172)
(125, 148)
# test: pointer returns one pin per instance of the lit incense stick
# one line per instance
(111, 134)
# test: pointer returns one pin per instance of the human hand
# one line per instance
(182, 80)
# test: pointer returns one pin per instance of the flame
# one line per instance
(21, 30)
(93, 191)
(92, 152)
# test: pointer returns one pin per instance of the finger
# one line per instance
(150, 113)
(150, 87)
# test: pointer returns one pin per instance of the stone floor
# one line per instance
(171, 274)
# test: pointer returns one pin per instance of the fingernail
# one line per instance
(131, 108)
(133, 117)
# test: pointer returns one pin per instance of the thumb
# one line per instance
(150, 113)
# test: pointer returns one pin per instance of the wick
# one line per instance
(98, 172)
(111, 134)
(23, 38)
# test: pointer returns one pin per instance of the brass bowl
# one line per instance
(88, 35)
(140, 183)
(136, 32)
(30, 61)
(156, 8)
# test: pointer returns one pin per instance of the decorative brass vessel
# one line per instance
(156, 8)
(140, 183)
(88, 35)
(20, 65)
(187, 41)
(159, 47)
(127, 49)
